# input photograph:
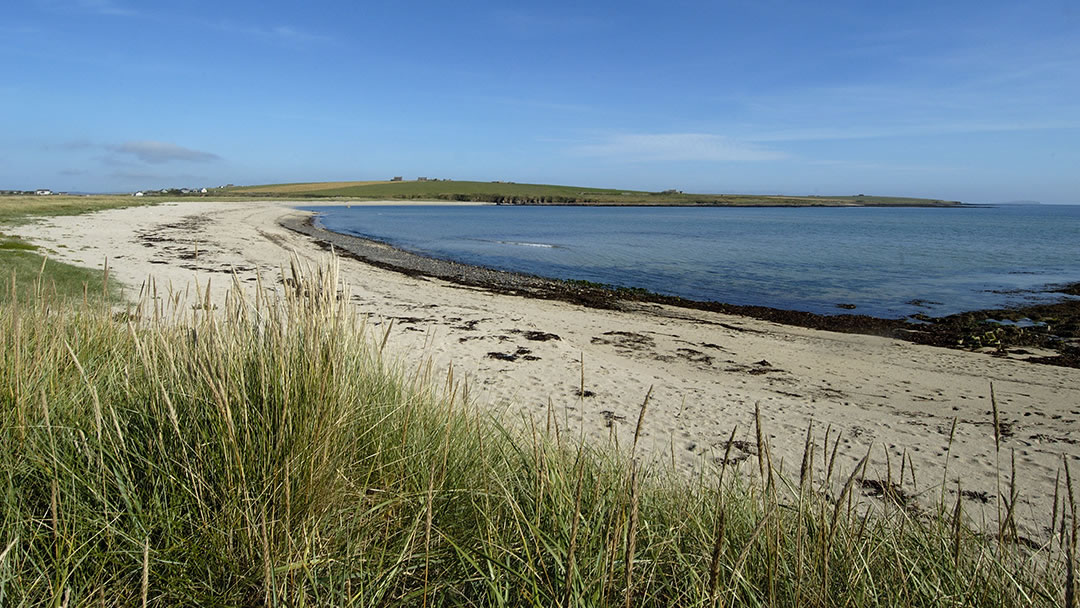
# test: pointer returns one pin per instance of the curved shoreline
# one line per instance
(962, 330)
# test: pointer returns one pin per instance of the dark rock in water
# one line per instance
(1072, 290)
(846, 306)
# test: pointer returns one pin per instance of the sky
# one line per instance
(971, 101)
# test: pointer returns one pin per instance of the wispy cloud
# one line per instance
(280, 33)
(157, 152)
(861, 165)
(287, 32)
(906, 130)
(534, 24)
(106, 7)
(982, 81)
(637, 147)
(878, 110)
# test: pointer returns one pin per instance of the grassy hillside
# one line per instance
(543, 194)
(303, 187)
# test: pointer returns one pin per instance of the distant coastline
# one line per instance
(513, 193)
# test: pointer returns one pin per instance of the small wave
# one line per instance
(524, 244)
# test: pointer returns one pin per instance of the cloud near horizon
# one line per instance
(677, 147)
(158, 152)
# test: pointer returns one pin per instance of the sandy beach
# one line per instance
(525, 358)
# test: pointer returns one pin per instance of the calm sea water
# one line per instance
(886, 262)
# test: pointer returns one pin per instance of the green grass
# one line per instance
(269, 455)
(16, 245)
(514, 193)
(28, 273)
(17, 209)
(31, 268)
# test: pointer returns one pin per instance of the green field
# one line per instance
(543, 194)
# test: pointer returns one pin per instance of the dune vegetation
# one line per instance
(270, 453)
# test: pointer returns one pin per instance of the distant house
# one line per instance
(140, 193)
(202, 191)
(43, 192)
(421, 179)
(396, 178)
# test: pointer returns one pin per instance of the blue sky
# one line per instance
(972, 101)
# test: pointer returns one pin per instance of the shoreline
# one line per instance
(526, 360)
(949, 331)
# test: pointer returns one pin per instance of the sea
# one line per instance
(884, 262)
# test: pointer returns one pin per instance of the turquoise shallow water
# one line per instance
(886, 262)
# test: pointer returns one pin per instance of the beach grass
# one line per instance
(270, 453)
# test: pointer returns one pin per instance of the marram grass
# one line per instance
(267, 454)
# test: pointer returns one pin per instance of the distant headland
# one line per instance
(513, 193)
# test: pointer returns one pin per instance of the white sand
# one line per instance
(704, 370)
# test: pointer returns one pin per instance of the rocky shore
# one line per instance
(1053, 329)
